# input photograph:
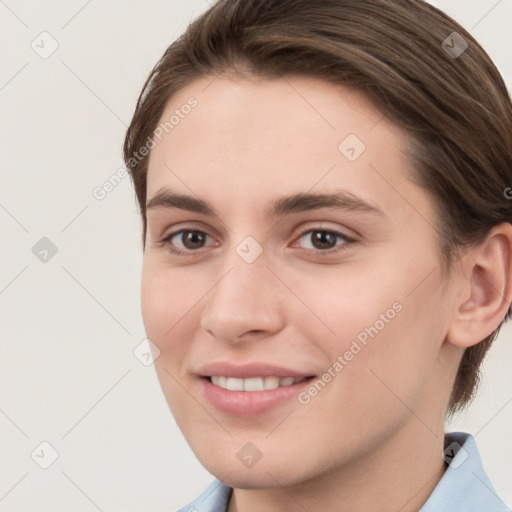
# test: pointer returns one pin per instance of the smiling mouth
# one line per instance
(254, 383)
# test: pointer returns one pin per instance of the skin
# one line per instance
(372, 438)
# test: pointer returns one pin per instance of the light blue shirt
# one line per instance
(464, 486)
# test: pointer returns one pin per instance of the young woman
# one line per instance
(327, 250)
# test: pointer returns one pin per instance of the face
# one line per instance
(334, 295)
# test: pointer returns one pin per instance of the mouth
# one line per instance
(252, 388)
(252, 396)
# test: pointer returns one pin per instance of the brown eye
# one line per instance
(185, 241)
(325, 240)
(192, 239)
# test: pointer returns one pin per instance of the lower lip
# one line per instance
(250, 403)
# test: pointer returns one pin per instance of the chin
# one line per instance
(273, 469)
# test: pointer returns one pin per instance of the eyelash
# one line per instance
(348, 241)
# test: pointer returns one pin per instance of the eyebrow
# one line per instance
(300, 202)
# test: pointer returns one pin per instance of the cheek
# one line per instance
(386, 331)
(356, 306)
(166, 297)
(157, 311)
(166, 311)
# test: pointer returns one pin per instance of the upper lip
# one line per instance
(225, 369)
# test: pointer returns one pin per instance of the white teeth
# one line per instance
(271, 382)
(234, 384)
(253, 383)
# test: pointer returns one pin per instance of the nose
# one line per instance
(246, 303)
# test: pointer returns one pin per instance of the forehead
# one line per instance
(254, 138)
(307, 114)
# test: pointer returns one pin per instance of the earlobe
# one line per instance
(487, 289)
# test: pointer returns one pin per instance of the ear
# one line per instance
(485, 289)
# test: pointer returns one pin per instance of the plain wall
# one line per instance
(68, 375)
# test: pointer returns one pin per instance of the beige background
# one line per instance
(68, 375)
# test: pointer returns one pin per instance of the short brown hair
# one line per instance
(452, 104)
